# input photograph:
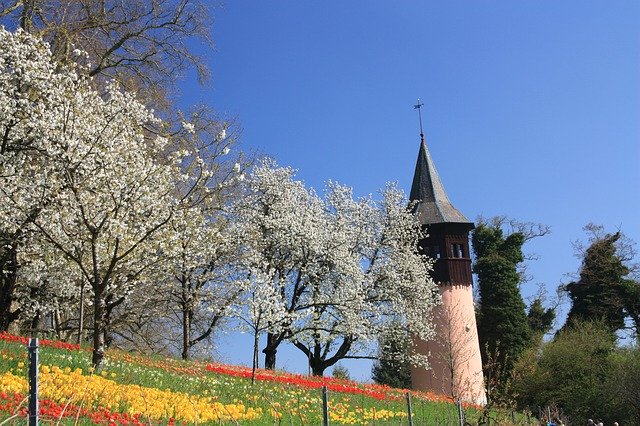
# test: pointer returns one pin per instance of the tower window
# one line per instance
(436, 252)
(456, 250)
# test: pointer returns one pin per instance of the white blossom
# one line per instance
(348, 269)
(188, 127)
(81, 180)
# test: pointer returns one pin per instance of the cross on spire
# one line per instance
(418, 106)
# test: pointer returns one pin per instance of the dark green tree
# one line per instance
(602, 291)
(503, 326)
(540, 319)
(340, 372)
(631, 295)
(392, 367)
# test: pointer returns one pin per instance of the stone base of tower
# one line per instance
(454, 354)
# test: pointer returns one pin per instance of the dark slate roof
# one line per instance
(433, 204)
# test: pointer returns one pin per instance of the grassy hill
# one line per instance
(137, 389)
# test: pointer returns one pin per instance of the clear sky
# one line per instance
(531, 108)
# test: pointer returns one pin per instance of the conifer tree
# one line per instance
(390, 369)
(540, 319)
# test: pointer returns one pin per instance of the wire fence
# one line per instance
(292, 405)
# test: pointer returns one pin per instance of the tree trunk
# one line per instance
(110, 306)
(56, 323)
(255, 357)
(319, 362)
(9, 313)
(318, 367)
(35, 322)
(186, 331)
(81, 315)
(99, 312)
(187, 316)
(270, 352)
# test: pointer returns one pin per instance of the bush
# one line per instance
(572, 372)
(623, 387)
(340, 372)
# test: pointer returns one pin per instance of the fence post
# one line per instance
(409, 412)
(325, 407)
(460, 412)
(33, 382)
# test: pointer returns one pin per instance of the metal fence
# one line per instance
(327, 408)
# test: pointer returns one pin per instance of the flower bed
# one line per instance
(73, 387)
(155, 390)
(41, 342)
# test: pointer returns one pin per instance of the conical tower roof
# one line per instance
(433, 204)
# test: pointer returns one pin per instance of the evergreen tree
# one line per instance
(540, 319)
(340, 372)
(503, 327)
(601, 292)
(631, 295)
(391, 369)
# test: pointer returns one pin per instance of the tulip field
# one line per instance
(134, 389)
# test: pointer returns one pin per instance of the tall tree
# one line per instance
(503, 327)
(603, 290)
(344, 268)
(201, 287)
(143, 44)
(103, 188)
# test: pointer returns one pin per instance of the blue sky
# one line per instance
(531, 108)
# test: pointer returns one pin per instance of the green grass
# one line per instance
(279, 403)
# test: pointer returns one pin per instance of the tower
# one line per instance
(456, 365)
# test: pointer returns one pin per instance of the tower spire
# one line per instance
(427, 189)
(418, 106)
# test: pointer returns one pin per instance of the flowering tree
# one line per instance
(260, 310)
(373, 277)
(116, 200)
(83, 173)
(143, 45)
(197, 269)
(200, 287)
(270, 223)
(34, 110)
(344, 269)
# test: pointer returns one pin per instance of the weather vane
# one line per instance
(418, 106)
